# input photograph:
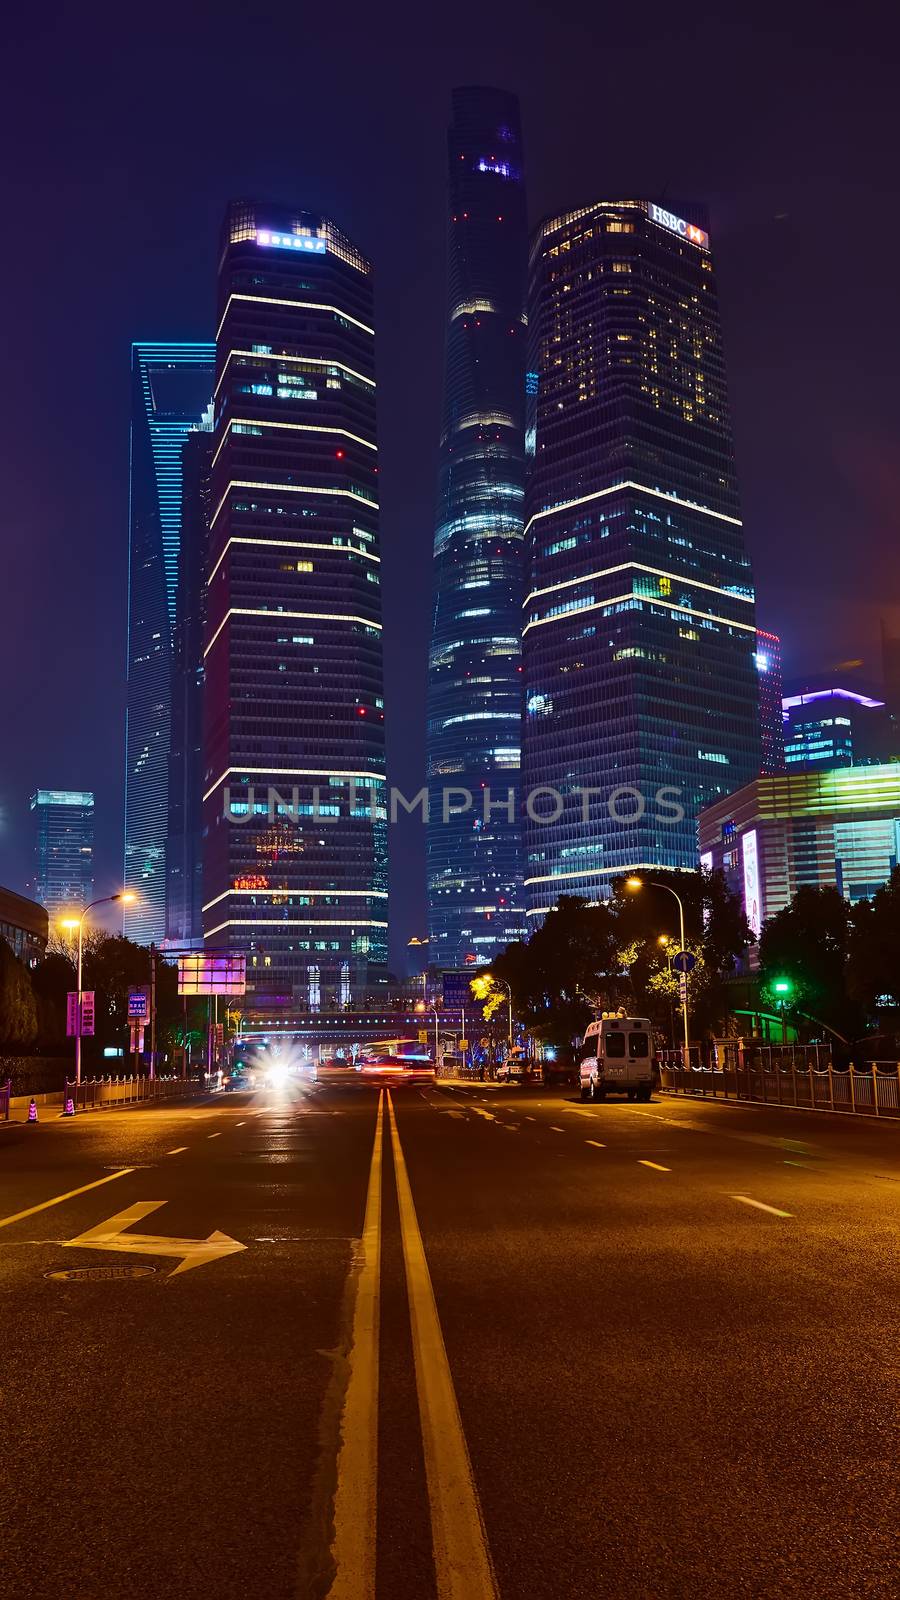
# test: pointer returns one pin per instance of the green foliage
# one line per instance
(585, 959)
(808, 945)
(874, 949)
(18, 1010)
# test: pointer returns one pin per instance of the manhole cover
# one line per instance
(85, 1274)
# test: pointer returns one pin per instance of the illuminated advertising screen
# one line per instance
(752, 907)
(200, 974)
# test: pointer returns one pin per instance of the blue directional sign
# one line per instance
(683, 961)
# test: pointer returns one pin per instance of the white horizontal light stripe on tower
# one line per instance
(358, 894)
(310, 361)
(641, 488)
(294, 544)
(291, 488)
(295, 427)
(640, 566)
(292, 772)
(289, 616)
(276, 923)
(608, 872)
(301, 305)
(644, 599)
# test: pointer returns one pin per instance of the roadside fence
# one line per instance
(94, 1093)
(5, 1097)
(800, 1075)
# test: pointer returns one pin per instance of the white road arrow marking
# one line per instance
(110, 1235)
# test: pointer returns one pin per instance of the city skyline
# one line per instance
(777, 280)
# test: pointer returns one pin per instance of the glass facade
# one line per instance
(838, 828)
(24, 926)
(474, 862)
(294, 824)
(832, 727)
(184, 861)
(641, 691)
(171, 389)
(771, 715)
(64, 849)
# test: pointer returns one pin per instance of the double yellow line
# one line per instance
(462, 1563)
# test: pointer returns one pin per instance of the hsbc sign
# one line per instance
(686, 230)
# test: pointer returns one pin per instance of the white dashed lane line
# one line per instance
(178, 1151)
(655, 1165)
(214, 1136)
(596, 1144)
(760, 1205)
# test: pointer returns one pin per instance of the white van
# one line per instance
(617, 1054)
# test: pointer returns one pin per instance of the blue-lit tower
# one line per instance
(641, 684)
(475, 896)
(171, 387)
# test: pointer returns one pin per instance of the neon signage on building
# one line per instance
(291, 241)
(686, 230)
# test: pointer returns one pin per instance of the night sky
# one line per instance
(126, 130)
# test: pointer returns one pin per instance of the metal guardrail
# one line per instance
(94, 1093)
(874, 1093)
(5, 1097)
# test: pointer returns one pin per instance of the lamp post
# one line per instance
(634, 884)
(421, 1006)
(127, 898)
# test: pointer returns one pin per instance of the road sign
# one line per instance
(137, 1038)
(110, 1235)
(684, 961)
(202, 974)
(463, 1044)
(423, 1035)
(682, 987)
(87, 1013)
(72, 1014)
(139, 1003)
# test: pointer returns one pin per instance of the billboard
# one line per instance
(456, 991)
(202, 974)
(752, 898)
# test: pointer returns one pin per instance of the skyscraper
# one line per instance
(184, 862)
(639, 637)
(475, 891)
(63, 849)
(771, 716)
(171, 385)
(295, 848)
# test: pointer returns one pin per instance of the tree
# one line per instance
(51, 980)
(18, 1011)
(716, 934)
(806, 945)
(565, 972)
(873, 967)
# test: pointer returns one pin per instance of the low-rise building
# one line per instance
(24, 926)
(783, 831)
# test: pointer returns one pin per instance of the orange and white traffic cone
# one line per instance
(32, 1110)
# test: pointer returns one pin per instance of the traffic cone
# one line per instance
(70, 1108)
(32, 1110)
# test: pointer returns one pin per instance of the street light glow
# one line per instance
(634, 884)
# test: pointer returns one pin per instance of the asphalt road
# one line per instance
(480, 1342)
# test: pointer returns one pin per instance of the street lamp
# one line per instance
(127, 897)
(635, 884)
(666, 943)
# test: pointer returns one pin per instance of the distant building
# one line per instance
(641, 689)
(476, 899)
(295, 829)
(771, 721)
(63, 849)
(831, 726)
(171, 387)
(184, 860)
(24, 926)
(839, 827)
